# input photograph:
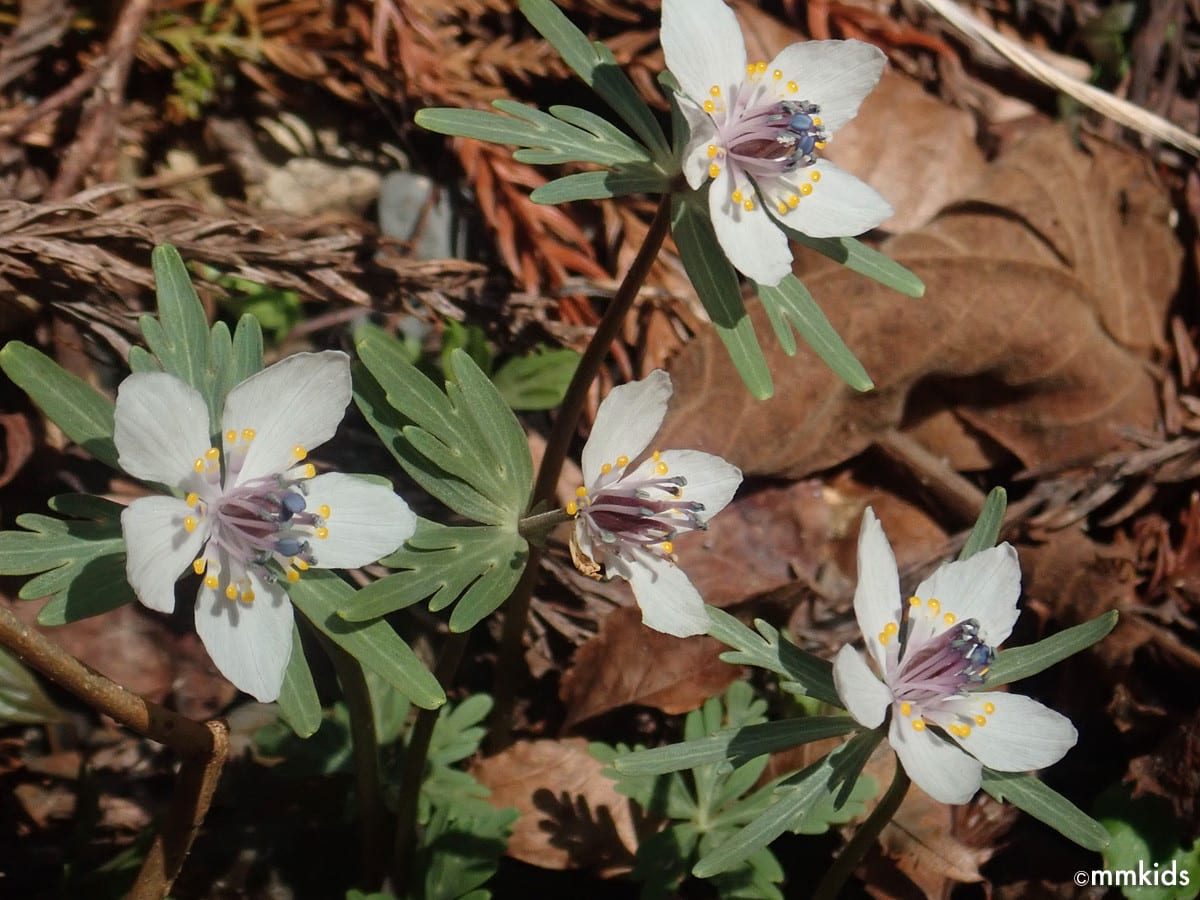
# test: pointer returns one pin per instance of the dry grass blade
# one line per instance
(40, 26)
(1122, 111)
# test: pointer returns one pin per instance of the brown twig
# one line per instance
(99, 119)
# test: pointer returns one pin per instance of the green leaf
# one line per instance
(632, 179)
(789, 304)
(83, 413)
(594, 63)
(82, 559)
(858, 257)
(717, 286)
(179, 336)
(811, 675)
(1146, 837)
(470, 451)
(795, 800)
(545, 139)
(1021, 662)
(987, 527)
(299, 705)
(461, 849)
(22, 700)
(736, 746)
(536, 381)
(1046, 805)
(319, 595)
(476, 566)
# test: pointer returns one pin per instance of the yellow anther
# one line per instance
(198, 465)
(189, 524)
(572, 508)
(906, 709)
(891, 628)
(989, 708)
(606, 468)
(715, 90)
(198, 565)
(622, 462)
(581, 491)
(247, 596)
(231, 592)
(883, 638)
(760, 67)
(806, 189)
(949, 618)
(299, 452)
(324, 511)
(248, 434)
(211, 582)
(308, 471)
(322, 532)
(964, 731)
(713, 170)
(777, 74)
(793, 201)
(736, 196)
(212, 454)
(914, 601)
(231, 436)
(661, 469)
(814, 175)
(748, 205)
(668, 547)
(981, 721)
(710, 107)
(820, 145)
(934, 606)
(749, 68)
(782, 207)
(293, 576)
(712, 150)
(792, 87)
(299, 564)
(192, 499)
(817, 121)
(656, 455)
(918, 724)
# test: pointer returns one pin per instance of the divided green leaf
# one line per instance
(858, 257)
(987, 527)
(1016, 663)
(1026, 792)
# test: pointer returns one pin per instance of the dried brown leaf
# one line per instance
(571, 815)
(1043, 287)
(626, 662)
(16, 445)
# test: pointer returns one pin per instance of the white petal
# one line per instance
(703, 45)
(299, 401)
(985, 588)
(839, 206)
(366, 520)
(938, 767)
(836, 75)
(877, 596)
(161, 427)
(1020, 736)
(701, 133)
(670, 602)
(711, 481)
(158, 548)
(628, 419)
(751, 240)
(248, 642)
(865, 696)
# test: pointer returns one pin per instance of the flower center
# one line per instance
(644, 511)
(262, 526)
(765, 133)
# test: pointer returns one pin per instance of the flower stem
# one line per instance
(413, 773)
(535, 528)
(365, 747)
(516, 611)
(843, 867)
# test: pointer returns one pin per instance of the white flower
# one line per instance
(932, 659)
(626, 519)
(248, 514)
(755, 128)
